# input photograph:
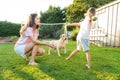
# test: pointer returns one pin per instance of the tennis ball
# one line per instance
(94, 18)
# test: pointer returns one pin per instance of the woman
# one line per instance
(28, 43)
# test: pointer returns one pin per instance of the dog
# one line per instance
(58, 44)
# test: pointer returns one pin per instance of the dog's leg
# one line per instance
(65, 50)
(54, 50)
(49, 50)
(58, 51)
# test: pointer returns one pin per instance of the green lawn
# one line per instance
(105, 65)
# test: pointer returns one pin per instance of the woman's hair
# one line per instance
(30, 23)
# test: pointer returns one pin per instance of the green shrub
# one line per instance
(13, 37)
(50, 31)
(58, 33)
(74, 34)
(9, 29)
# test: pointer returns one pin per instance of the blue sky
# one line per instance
(18, 10)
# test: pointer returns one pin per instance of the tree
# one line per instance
(75, 12)
(52, 15)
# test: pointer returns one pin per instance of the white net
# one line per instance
(56, 25)
(64, 25)
(52, 26)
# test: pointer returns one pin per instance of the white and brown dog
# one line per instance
(58, 44)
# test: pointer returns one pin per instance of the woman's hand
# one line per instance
(52, 45)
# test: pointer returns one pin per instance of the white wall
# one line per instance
(108, 18)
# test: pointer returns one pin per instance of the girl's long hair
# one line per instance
(30, 23)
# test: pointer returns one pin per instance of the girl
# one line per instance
(83, 36)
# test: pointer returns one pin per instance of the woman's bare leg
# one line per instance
(29, 47)
(34, 52)
(33, 49)
(28, 50)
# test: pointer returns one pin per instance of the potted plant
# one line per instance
(14, 39)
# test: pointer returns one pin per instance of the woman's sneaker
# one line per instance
(33, 63)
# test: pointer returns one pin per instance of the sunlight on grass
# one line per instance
(106, 75)
(10, 75)
(36, 73)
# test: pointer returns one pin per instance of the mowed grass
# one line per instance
(105, 65)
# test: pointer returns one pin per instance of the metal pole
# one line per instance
(111, 26)
(107, 26)
(116, 25)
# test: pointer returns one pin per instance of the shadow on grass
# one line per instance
(1, 77)
(60, 69)
(71, 72)
(103, 67)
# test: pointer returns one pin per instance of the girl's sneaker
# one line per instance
(87, 66)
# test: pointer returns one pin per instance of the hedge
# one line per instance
(9, 29)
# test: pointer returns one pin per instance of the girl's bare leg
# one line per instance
(72, 54)
(88, 58)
